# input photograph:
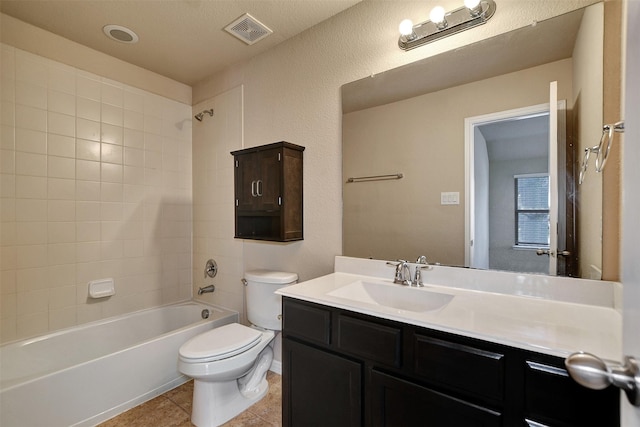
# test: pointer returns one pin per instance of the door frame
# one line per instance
(469, 141)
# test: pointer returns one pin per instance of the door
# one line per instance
(504, 148)
(629, 143)
(631, 199)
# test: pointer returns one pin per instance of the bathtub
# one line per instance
(84, 375)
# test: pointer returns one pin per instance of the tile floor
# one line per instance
(173, 409)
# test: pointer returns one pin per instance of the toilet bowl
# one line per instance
(229, 364)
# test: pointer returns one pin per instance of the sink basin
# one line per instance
(395, 296)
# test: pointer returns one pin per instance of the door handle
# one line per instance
(253, 189)
(592, 372)
(259, 188)
(552, 253)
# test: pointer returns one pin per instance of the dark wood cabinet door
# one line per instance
(319, 388)
(258, 178)
(269, 181)
(398, 403)
(553, 398)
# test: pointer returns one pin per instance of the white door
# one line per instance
(553, 178)
(629, 143)
(631, 199)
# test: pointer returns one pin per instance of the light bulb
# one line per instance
(471, 4)
(406, 27)
(474, 7)
(437, 15)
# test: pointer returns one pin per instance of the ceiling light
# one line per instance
(120, 34)
(443, 24)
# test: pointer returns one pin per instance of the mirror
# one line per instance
(406, 128)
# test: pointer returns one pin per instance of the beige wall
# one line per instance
(292, 93)
(95, 183)
(587, 126)
(423, 138)
(213, 212)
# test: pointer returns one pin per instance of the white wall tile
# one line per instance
(31, 141)
(112, 134)
(87, 129)
(30, 118)
(31, 95)
(87, 150)
(89, 109)
(62, 146)
(87, 190)
(79, 203)
(31, 164)
(111, 153)
(29, 210)
(61, 232)
(29, 187)
(61, 210)
(62, 78)
(7, 137)
(88, 87)
(61, 124)
(61, 253)
(87, 170)
(61, 167)
(61, 102)
(112, 115)
(61, 189)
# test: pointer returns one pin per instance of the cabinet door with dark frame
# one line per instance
(319, 388)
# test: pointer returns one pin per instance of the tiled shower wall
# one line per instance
(95, 183)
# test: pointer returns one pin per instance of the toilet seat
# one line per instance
(219, 343)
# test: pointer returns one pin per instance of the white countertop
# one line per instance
(557, 316)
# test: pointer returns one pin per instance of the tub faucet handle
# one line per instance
(210, 269)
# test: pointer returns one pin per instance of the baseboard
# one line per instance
(276, 367)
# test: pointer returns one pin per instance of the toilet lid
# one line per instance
(220, 343)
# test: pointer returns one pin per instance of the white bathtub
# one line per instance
(84, 375)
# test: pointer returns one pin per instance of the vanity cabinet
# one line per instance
(268, 192)
(342, 368)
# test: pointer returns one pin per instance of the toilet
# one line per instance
(229, 364)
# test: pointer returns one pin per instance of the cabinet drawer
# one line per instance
(307, 321)
(460, 367)
(396, 402)
(370, 340)
(553, 398)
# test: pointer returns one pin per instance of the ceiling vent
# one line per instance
(248, 29)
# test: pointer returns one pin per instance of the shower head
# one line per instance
(201, 114)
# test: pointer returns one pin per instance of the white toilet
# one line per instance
(229, 364)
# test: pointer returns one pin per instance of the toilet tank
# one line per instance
(264, 307)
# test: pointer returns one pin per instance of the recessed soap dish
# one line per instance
(101, 288)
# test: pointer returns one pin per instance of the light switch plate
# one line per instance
(450, 198)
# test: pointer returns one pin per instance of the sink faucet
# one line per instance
(403, 274)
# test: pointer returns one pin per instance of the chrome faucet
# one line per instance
(206, 289)
(403, 274)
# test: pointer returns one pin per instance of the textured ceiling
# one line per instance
(180, 39)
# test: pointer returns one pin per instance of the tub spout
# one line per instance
(206, 289)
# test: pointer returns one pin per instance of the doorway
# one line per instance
(510, 216)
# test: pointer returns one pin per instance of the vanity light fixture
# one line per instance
(443, 24)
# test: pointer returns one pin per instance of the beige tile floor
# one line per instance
(173, 409)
